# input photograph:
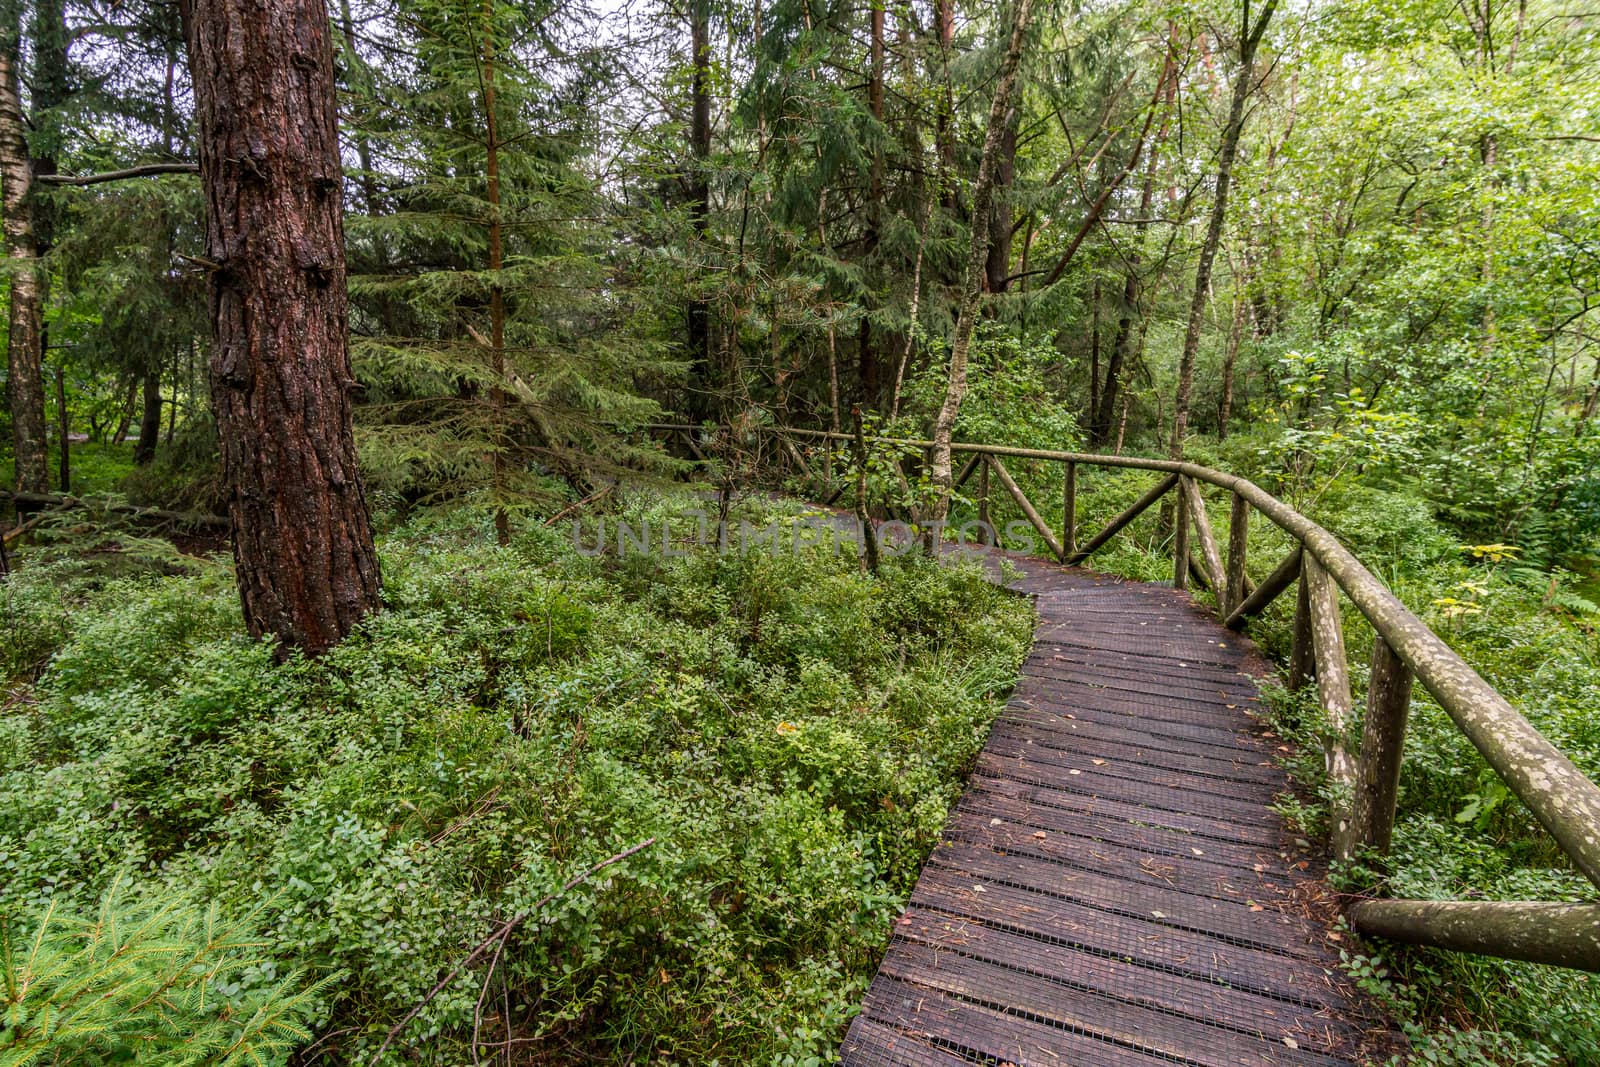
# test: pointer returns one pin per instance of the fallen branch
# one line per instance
(55, 500)
(498, 937)
(144, 171)
(585, 502)
(21, 528)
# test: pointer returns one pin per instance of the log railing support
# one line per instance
(1302, 661)
(983, 499)
(1268, 591)
(1561, 935)
(1069, 511)
(1027, 507)
(1209, 553)
(967, 468)
(1383, 738)
(1180, 538)
(1238, 540)
(1116, 525)
(1333, 693)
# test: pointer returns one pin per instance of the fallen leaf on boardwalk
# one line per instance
(1074, 771)
(1197, 852)
(1254, 906)
(1291, 1042)
(1098, 762)
(1040, 834)
(1159, 914)
(996, 822)
(1334, 937)
(1232, 706)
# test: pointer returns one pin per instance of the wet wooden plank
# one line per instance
(1102, 744)
(1061, 796)
(1207, 1004)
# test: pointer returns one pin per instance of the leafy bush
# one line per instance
(790, 731)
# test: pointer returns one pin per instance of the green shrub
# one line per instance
(790, 731)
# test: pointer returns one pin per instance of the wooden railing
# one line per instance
(1563, 800)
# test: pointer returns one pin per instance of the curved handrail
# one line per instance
(1562, 799)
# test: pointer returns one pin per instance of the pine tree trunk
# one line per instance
(25, 345)
(1094, 346)
(1249, 40)
(997, 267)
(359, 78)
(702, 378)
(497, 293)
(1101, 415)
(149, 418)
(944, 17)
(1235, 336)
(977, 258)
(267, 128)
(125, 419)
(64, 433)
(867, 362)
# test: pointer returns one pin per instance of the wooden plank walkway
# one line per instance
(1114, 889)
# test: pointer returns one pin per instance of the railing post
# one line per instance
(1301, 662)
(1333, 692)
(983, 500)
(1238, 539)
(1180, 537)
(1069, 512)
(1209, 564)
(1383, 738)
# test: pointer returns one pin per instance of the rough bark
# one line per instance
(25, 344)
(144, 450)
(280, 365)
(1249, 40)
(972, 292)
(1383, 739)
(997, 268)
(1333, 688)
(1560, 935)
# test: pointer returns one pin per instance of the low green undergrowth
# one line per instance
(787, 731)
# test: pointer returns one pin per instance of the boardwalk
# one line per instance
(1115, 888)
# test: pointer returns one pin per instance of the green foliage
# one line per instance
(156, 981)
(789, 730)
(497, 336)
